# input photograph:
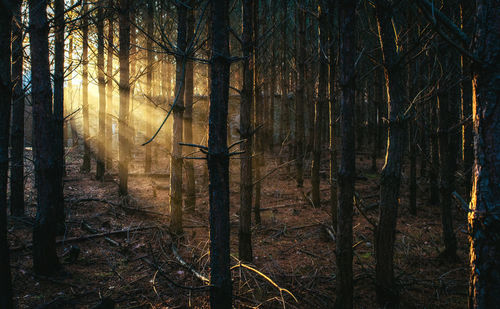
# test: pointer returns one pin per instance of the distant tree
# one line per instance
(149, 80)
(101, 81)
(109, 86)
(218, 159)
(85, 87)
(347, 168)
(48, 174)
(300, 95)
(6, 13)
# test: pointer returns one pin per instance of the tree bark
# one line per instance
(109, 88)
(347, 170)
(124, 88)
(5, 102)
(246, 186)
(85, 89)
(149, 82)
(332, 10)
(177, 161)
(48, 174)
(101, 80)
(300, 94)
(484, 213)
(218, 159)
(259, 117)
(17, 128)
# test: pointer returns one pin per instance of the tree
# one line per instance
(484, 213)
(85, 88)
(48, 174)
(149, 80)
(347, 168)
(385, 234)
(109, 86)
(332, 115)
(101, 81)
(124, 88)
(5, 102)
(17, 128)
(218, 159)
(300, 93)
(246, 179)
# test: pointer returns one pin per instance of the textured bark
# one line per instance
(177, 162)
(332, 10)
(246, 187)
(484, 213)
(284, 108)
(85, 89)
(101, 81)
(385, 234)
(149, 82)
(190, 202)
(434, 171)
(300, 95)
(123, 127)
(109, 87)
(5, 102)
(322, 100)
(48, 175)
(347, 169)
(218, 159)
(17, 128)
(259, 117)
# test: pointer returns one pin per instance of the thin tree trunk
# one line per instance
(484, 213)
(123, 127)
(109, 88)
(85, 89)
(177, 161)
(218, 160)
(246, 186)
(17, 129)
(347, 170)
(258, 105)
(5, 102)
(149, 82)
(387, 293)
(300, 95)
(48, 174)
(333, 114)
(284, 109)
(190, 202)
(101, 80)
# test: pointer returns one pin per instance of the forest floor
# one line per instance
(127, 254)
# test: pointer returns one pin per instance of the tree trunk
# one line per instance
(332, 10)
(101, 80)
(109, 88)
(484, 213)
(218, 159)
(385, 234)
(246, 186)
(176, 162)
(284, 108)
(5, 101)
(190, 203)
(123, 127)
(85, 89)
(258, 105)
(300, 95)
(48, 174)
(149, 83)
(347, 170)
(17, 129)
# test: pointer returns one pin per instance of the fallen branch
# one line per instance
(188, 266)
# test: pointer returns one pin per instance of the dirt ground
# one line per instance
(126, 253)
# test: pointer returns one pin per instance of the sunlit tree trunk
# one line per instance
(190, 202)
(109, 88)
(5, 101)
(484, 213)
(246, 187)
(347, 169)
(85, 89)
(17, 129)
(149, 82)
(123, 128)
(322, 100)
(48, 175)
(385, 234)
(218, 159)
(177, 161)
(101, 80)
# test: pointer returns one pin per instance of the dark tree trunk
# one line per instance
(332, 10)
(123, 127)
(434, 171)
(149, 82)
(5, 102)
(246, 186)
(300, 94)
(322, 100)
(258, 104)
(385, 234)
(109, 88)
(48, 174)
(284, 108)
(218, 159)
(484, 215)
(85, 89)
(347, 170)
(17, 129)
(190, 203)
(101, 80)
(176, 163)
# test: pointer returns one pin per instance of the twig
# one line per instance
(188, 266)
